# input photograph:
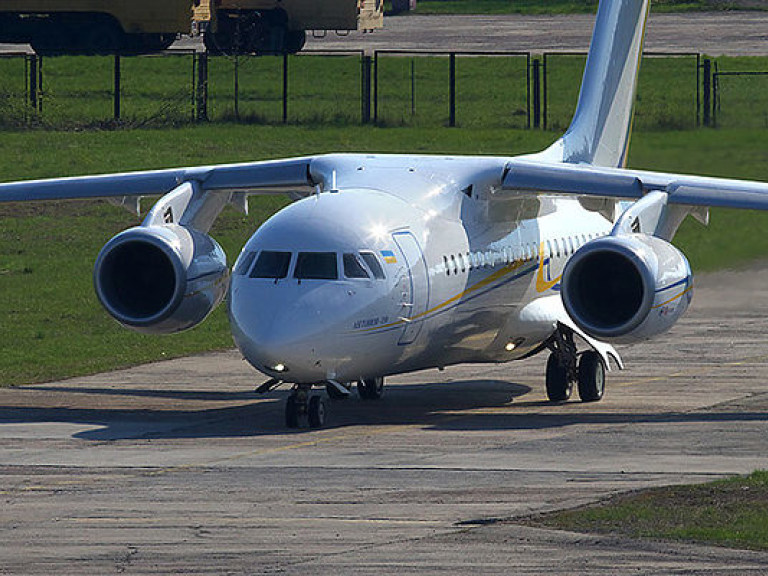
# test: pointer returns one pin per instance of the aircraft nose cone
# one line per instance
(283, 337)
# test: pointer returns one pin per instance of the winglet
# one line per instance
(600, 130)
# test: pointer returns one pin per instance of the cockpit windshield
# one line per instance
(316, 266)
(353, 267)
(271, 265)
(373, 264)
(310, 265)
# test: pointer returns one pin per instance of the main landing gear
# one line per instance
(302, 405)
(566, 367)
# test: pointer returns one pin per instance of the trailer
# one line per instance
(94, 26)
(279, 26)
(137, 26)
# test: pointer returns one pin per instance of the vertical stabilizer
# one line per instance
(600, 130)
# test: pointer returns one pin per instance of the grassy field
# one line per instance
(729, 513)
(413, 90)
(567, 6)
(51, 325)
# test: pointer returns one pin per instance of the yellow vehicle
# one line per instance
(278, 26)
(94, 26)
(113, 26)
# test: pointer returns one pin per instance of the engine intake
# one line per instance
(626, 288)
(161, 279)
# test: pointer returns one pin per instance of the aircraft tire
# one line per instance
(318, 412)
(591, 377)
(292, 409)
(559, 386)
(371, 388)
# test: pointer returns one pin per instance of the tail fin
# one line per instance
(600, 130)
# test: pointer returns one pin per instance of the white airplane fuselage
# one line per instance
(463, 274)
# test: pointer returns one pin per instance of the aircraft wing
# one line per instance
(271, 176)
(529, 175)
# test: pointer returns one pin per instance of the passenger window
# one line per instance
(455, 266)
(271, 265)
(244, 263)
(316, 266)
(373, 264)
(353, 268)
(445, 265)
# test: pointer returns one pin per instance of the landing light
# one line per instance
(279, 368)
(510, 346)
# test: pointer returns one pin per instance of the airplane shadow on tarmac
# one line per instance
(130, 413)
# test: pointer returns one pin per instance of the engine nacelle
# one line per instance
(161, 279)
(627, 288)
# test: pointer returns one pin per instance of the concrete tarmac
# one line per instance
(738, 33)
(180, 468)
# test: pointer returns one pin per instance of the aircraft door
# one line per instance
(415, 285)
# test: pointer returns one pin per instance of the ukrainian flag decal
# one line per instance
(389, 256)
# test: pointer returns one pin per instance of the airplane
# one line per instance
(386, 264)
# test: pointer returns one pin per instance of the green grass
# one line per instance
(731, 513)
(51, 325)
(562, 6)
(413, 90)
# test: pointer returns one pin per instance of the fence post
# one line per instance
(285, 88)
(544, 94)
(116, 88)
(376, 87)
(32, 60)
(536, 93)
(452, 80)
(202, 86)
(365, 89)
(707, 91)
(40, 89)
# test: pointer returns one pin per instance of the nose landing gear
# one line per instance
(301, 405)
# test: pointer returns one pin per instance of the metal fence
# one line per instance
(452, 88)
(393, 88)
(745, 94)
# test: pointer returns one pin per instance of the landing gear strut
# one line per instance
(300, 404)
(565, 367)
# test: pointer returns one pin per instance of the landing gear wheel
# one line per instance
(591, 377)
(292, 411)
(371, 388)
(318, 411)
(559, 385)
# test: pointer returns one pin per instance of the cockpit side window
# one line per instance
(353, 268)
(373, 264)
(316, 266)
(244, 263)
(271, 265)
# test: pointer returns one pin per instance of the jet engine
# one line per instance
(161, 279)
(626, 288)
